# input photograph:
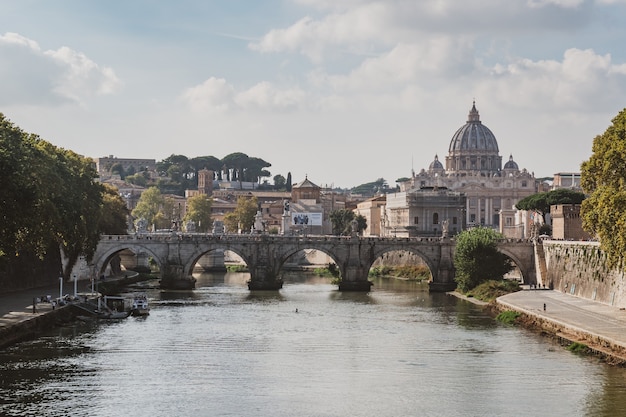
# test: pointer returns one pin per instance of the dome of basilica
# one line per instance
(435, 165)
(511, 164)
(473, 136)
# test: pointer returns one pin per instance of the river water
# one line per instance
(224, 351)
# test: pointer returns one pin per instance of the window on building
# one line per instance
(454, 221)
(524, 184)
(416, 220)
(435, 218)
(472, 218)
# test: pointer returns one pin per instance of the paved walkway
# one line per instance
(598, 320)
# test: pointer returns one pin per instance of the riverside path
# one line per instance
(602, 327)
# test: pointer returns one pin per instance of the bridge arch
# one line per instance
(287, 254)
(527, 273)
(104, 259)
(431, 263)
(204, 250)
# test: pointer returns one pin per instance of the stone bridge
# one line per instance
(266, 254)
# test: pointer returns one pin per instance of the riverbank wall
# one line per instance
(18, 326)
(602, 346)
(579, 269)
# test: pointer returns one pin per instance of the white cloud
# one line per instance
(560, 3)
(214, 94)
(368, 26)
(217, 95)
(265, 96)
(32, 76)
(583, 80)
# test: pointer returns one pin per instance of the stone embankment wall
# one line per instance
(579, 268)
(22, 325)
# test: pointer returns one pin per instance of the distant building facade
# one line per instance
(474, 168)
(424, 212)
(373, 210)
(567, 222)
(569, 180)
(130, 165)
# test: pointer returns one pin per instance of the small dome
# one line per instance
(435, 165)
(511, 164)
(473, 136)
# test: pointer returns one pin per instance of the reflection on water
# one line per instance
(222, 350)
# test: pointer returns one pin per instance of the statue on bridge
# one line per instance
(141, 225)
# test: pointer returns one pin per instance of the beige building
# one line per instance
(474, 168)
(567, 223)
(424, 212)
(567, 180)
(373, 210)
(130, 165)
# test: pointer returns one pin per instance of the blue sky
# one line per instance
(342, 91)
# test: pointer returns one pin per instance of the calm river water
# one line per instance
(224, 351)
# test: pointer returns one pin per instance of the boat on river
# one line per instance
(139, 305)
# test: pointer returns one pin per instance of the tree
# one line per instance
(477, 259)
(371, 188)
(279, 182)
(253, 169)
(149, 207)
(114, 215)
(119, 170)
(541, 202)
(341, 221)
(288, 182)
(243, 215)
(603, 178)
(235, 162)
(199, 211)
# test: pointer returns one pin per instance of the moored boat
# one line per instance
(140, 306)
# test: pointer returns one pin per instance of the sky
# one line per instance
(342, 92)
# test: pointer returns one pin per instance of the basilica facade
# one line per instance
(473, 168)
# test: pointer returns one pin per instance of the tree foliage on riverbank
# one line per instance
(603, 177)
(477, 259)
(411, 272)
(50, 199)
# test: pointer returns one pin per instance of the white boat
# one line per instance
(139, 305)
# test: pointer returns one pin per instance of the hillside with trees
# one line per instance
(178, 173)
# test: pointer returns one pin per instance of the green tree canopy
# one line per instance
(58, 204)
(150, 206)
(243, 215)
(541, 202)
(199, 211)
(603, 178)
(477, 259)
(371, 188)
(341, 221)
(279, 182)
(114, 217)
